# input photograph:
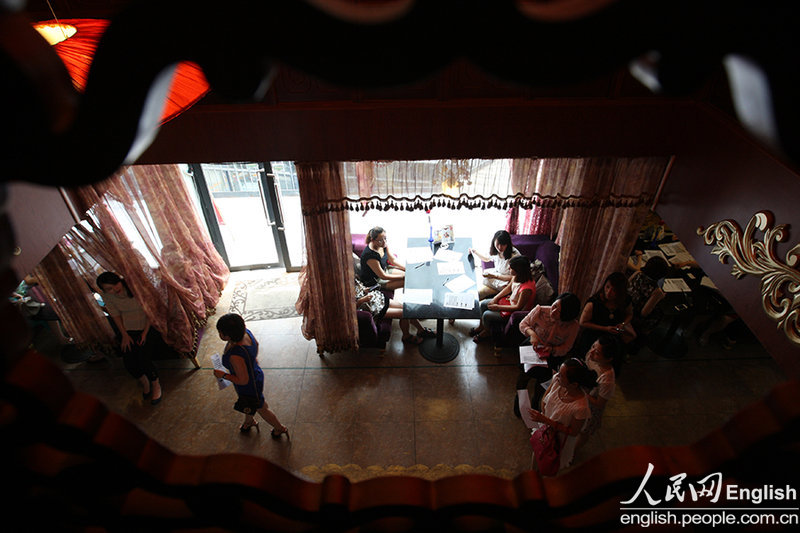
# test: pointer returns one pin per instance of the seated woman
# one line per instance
(375, 261)
(610, 311)
(379, 305)
(645, 294)
(565, 406)
(519, 294)
(501, 251)
(601, 359)
(552, 331)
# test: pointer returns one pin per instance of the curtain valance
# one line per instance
(493, 184)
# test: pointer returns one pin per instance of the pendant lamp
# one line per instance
(75, 42)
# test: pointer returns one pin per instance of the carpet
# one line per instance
(266, 298)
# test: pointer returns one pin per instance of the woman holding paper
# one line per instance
(241, 358)
(501, 251)
(376, 260)
(552, 331)
(519, 294)
(565, 406)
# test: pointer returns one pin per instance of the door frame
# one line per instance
(272, 211)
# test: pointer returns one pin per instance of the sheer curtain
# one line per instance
(141, 224)
(327, 291)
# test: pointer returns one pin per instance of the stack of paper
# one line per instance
(460, 284)
(216, 362)
(673, 248)
(675, 285)
(530, 358)
(647, 254)
(418, 255)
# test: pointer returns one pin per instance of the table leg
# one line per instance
(441, 349)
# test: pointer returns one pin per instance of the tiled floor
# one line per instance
(399, 409)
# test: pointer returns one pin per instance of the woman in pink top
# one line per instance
(552, 331)
(565, 406)
(518, 295)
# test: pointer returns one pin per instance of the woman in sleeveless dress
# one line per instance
(241, 358)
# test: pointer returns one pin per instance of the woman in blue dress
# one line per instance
(240, 358)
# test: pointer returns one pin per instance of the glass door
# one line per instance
(242, 204)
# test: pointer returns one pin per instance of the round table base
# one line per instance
(440, 354)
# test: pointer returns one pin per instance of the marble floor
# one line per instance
(398, 409)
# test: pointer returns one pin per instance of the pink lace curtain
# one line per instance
(608, 199)
(327, 291)
(142, 225)
(74, 302)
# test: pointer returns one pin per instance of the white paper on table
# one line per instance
(216, 360)
(417, 296)
(460, 284)
(418, 255)
(673, 248)
(450, 267)
(528, 355)
(447, 255)
(706, 282)
(675, 285)
(524, 405)
(463, 300)
(682, 257)
(647, 254)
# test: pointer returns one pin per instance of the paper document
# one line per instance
(462, 300)
(647, 254)
(216, 361)
(529, 357)
(451, 267)
(418, 255)
(524, 405)
(673, 248)
(460, 284)
(684, 257)
(706, 282)
(675, 285)
(417, 296)
(447, 255)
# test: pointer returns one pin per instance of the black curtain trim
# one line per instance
(419, 203)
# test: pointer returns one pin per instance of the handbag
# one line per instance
(546, 449)
(505, 301)
(247, 405)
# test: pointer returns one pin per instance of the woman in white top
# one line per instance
(501, 251)
(135, 333)
(565, 406)
(600, 359)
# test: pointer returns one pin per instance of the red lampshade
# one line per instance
(188, 83)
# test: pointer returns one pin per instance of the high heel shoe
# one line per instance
(277, 435)
(246, 428)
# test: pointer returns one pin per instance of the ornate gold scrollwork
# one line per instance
(780, 283)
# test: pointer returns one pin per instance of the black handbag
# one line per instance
(247, 404)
